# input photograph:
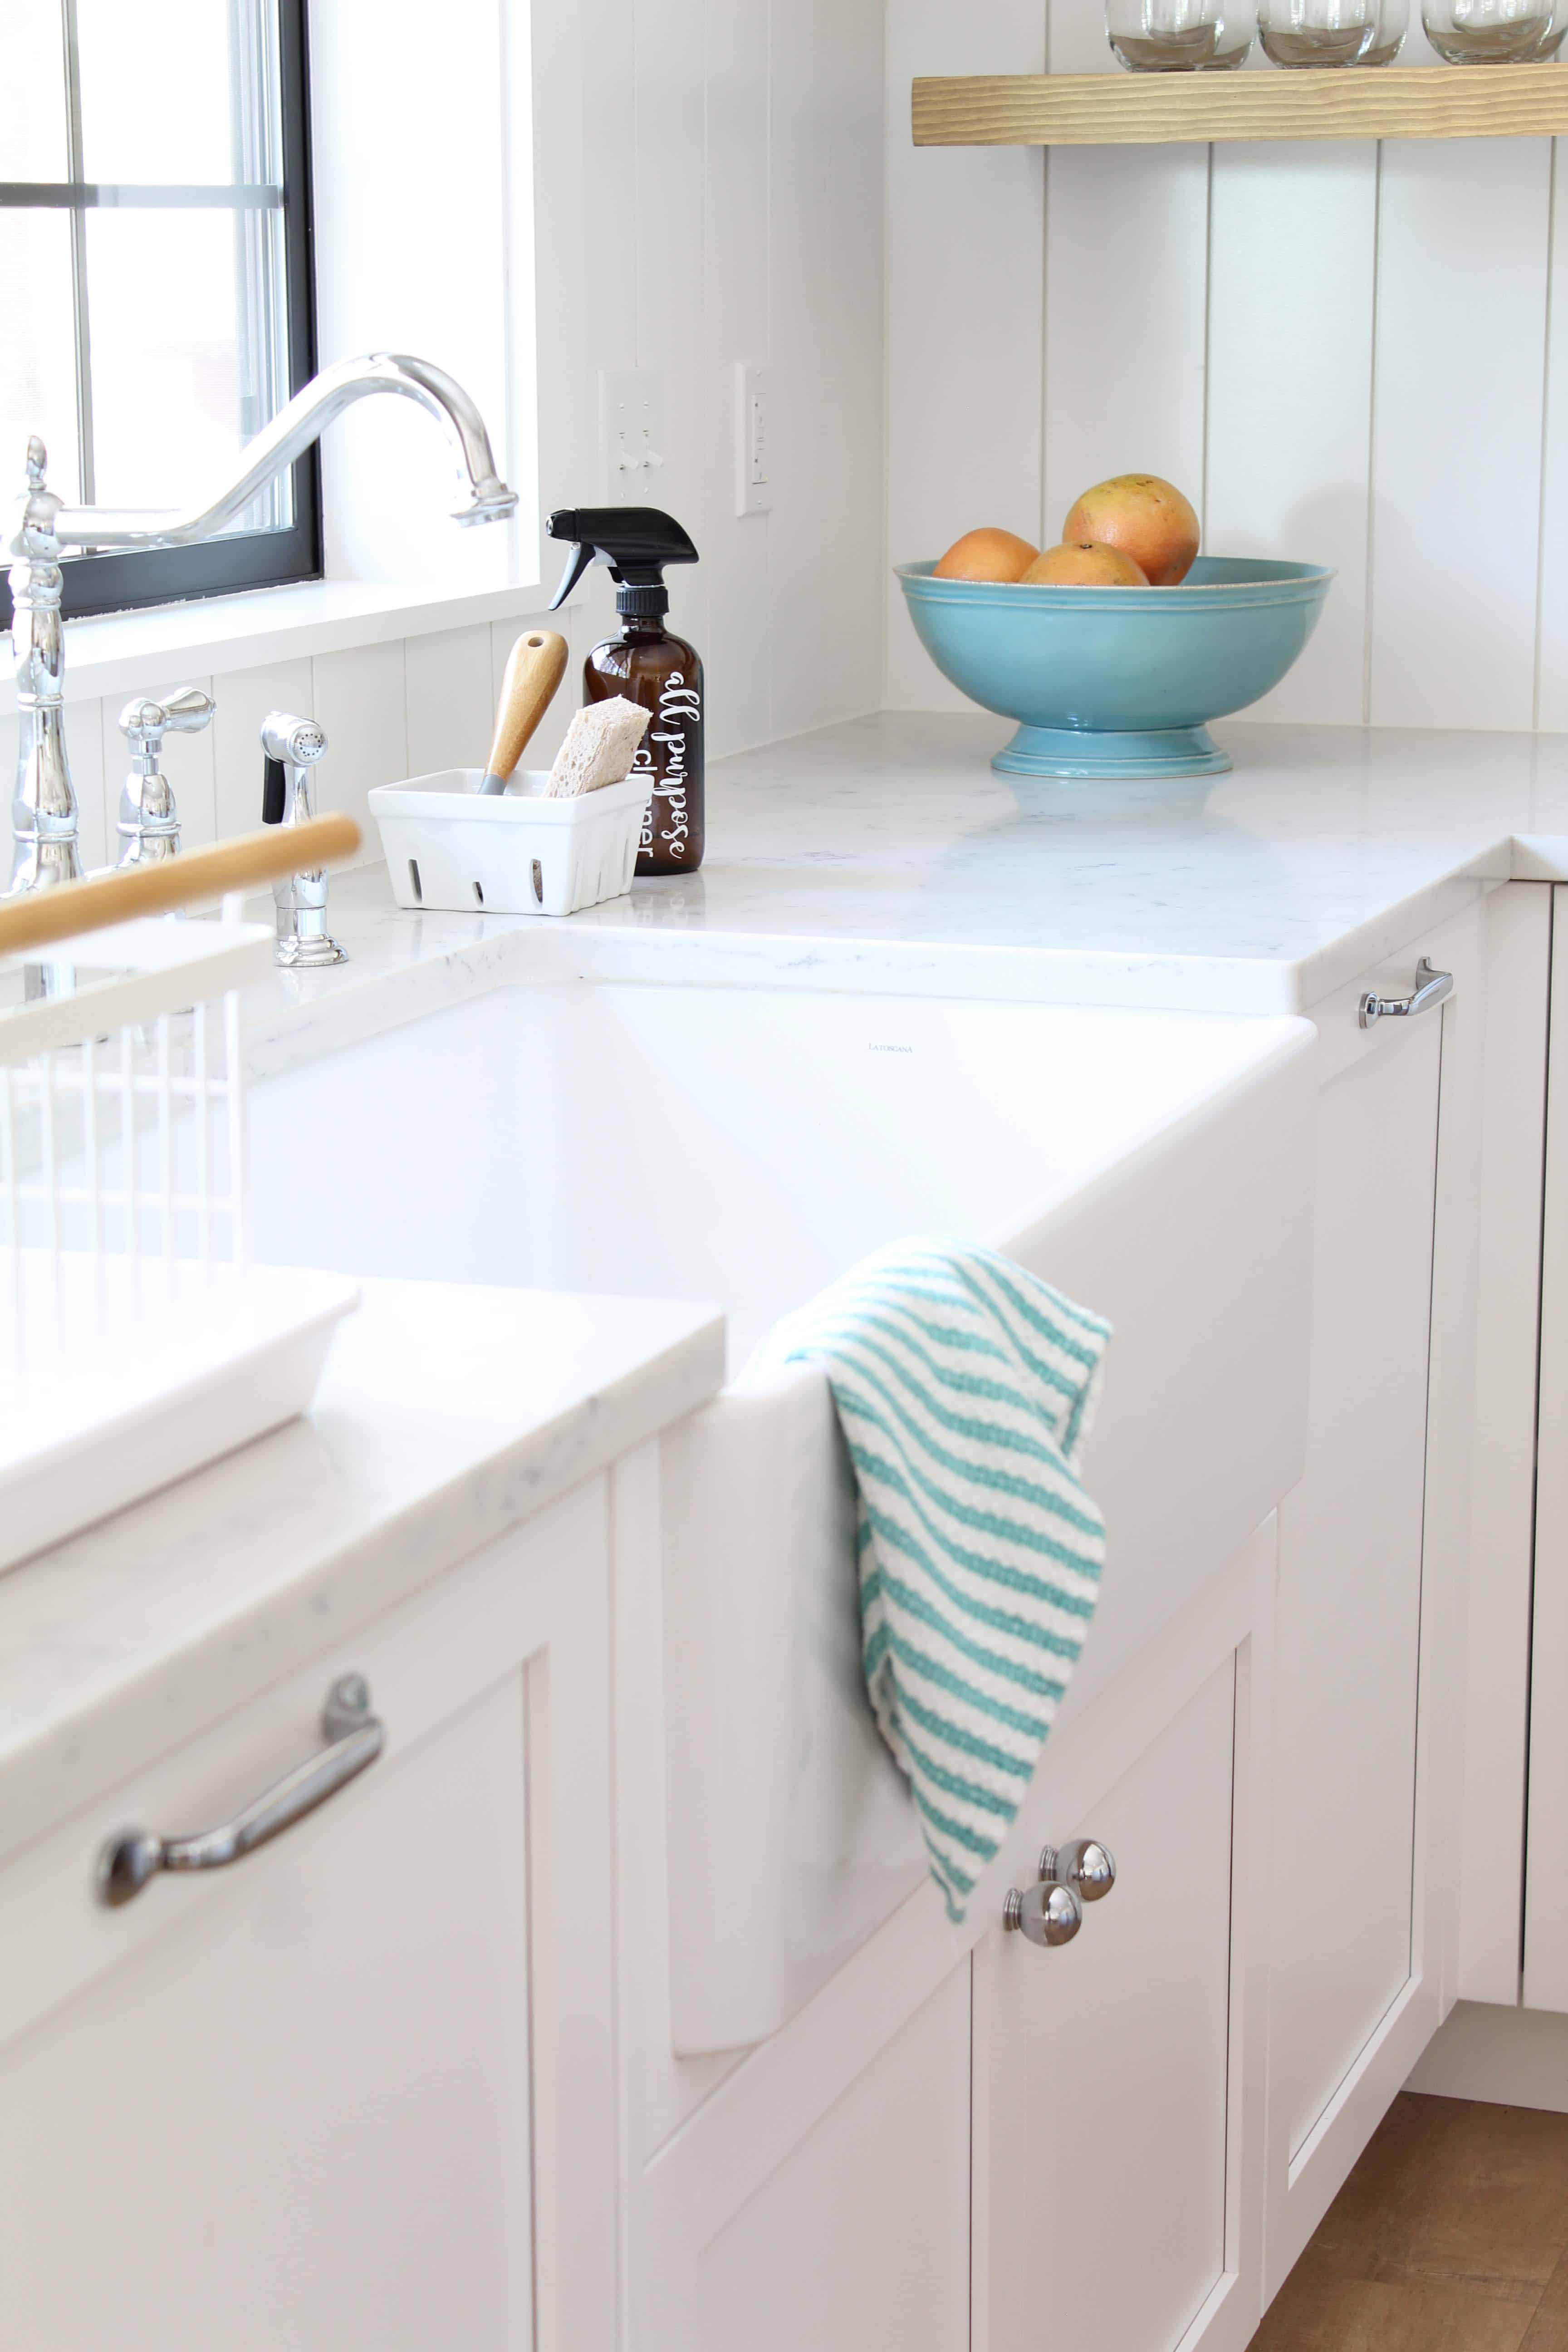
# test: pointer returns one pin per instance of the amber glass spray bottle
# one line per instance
(647, 664)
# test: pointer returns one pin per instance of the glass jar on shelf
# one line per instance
(1179, 36)
(1495, 32)
(1388, 37)
(1332, 32)
(1316, 32)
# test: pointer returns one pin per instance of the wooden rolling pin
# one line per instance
(69, 908)
(535, 669)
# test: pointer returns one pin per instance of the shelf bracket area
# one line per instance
(1332, 102)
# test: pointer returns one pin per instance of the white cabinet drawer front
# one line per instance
(423, 1662)
(1104, 2099)
(299, 2116)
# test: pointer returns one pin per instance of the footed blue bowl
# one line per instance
(1118, 681)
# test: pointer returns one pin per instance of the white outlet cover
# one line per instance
(753, 440)
(631, 436)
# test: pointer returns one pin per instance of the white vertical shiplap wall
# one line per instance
(1292, 269)
(1342, 351)
(966, 257)
(732, 158)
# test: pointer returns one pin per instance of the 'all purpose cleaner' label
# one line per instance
(664, 754)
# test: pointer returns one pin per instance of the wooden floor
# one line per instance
(1451, 2235)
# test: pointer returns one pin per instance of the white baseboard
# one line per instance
(1512, 2057)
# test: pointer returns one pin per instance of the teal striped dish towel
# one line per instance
(964, 1389)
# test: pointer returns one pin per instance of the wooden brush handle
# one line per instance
(535, 669)
(69, 908)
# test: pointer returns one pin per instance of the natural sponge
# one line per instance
(600, 745)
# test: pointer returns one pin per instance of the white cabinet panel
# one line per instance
(356, 2090)
(299, 2114)
(1546, 1874)
(1497, 1600)
(859, 2241)
(1349, 1583)
(1102, 2070)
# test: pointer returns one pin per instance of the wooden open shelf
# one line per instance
(1335, 102)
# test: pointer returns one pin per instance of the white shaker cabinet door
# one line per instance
(1354, 1993)
(1546, 1845)
(289, 2104)
(856, 2237)
(1102, 2071)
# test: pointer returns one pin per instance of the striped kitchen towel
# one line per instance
(964, 1389)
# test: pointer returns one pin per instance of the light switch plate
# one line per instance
(753, 440)
(631, 436)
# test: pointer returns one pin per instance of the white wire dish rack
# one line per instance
(137, 1341)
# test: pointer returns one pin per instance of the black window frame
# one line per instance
(129, 580)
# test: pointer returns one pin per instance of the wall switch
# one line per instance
(631, 436)
(753, 491)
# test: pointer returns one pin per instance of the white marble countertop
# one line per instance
(886, 853)
(444, 1416)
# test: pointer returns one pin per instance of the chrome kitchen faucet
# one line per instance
(44, 806)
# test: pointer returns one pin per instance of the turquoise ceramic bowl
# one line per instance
(1118, 681)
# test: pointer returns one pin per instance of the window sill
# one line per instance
(116, 652)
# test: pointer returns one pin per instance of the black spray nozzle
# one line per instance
(634, 542)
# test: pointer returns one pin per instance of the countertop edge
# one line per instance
(83, 1751)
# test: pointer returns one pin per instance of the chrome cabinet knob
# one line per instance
(1083, 1863)
(1046, 1915)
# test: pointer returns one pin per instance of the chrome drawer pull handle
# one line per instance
(1431, 988)
(356, 1738)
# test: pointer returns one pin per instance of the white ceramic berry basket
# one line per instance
(451, 846)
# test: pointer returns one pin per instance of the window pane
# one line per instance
(32, 92)
(174, 386)
(38, 370)
(157, 104)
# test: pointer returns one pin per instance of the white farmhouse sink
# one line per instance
(745, 1146)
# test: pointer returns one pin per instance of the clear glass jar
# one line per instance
(1179, 36)
(1316, 32)
(1393, 24)
(1495, 32)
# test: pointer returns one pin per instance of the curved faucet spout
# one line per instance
(291, 432)
(44, 816)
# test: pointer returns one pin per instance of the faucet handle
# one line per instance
(149, 827)
(144, 723)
